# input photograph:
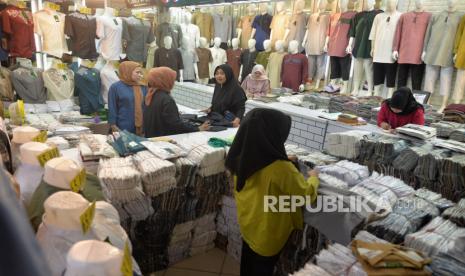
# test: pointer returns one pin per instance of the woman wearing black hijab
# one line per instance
(400, 110)
(228, 98)
(260, 166)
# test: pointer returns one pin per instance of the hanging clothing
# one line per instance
(297, 29)
(205, 57)
(110, 32)
(247, 62)
(294, 71)
(189, 58)
(29, 84)
(167, 29)
(82, 31)
(382, 36)
(171, 58)
(192, 33)
(59, 84)
(138, 35)
(245, 24)
(339, 35)
(6, 88)
(219, 57)
(262, 58)
(108, 76)
(222, 27)
(274, 68)
(234, 60)
(360, 28)
(317, 29)
(278, 27)
(19, 26)
(87, 86)
(261, 24)
(230, 96)
(459, 45)
(50, 25)
(150, 57)
(205, 23)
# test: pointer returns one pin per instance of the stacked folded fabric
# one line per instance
(35, 108)
(295, 150)
(172, 200)
(456, 214)
(428, 168)
(209, 159)
(345, 144)
(94, 147)
(450, 145)
(122, 186)
(436, 199)
(452, 177)
(444, 129)
(446, 264)
(186, 170)
(380, 196)
(349, 172)
(204, 234)
(158, 175)
(43, 121)
(366, 105)
(458, 135)
(317, 158)
(74, 118)
(374, 115)
(180, 242)
(209, 191)
(294, 99)
(455, 113)
(438, 236)
(336, 104)
(350, 107)
(228, 226)
(417, 131)
(321, 100)
(59, 142)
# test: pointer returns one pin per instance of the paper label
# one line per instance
(62, 66)
(48, 155)
(85, 10)
(41, 137)
(87, 217)
(78, 182)
(21, 4)
(126, 266)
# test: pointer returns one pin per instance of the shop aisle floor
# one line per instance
(212, 263)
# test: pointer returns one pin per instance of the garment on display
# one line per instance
(222, 27)
(233, 60)
(108, 76)
(171, 58)
(6, 87)
(360, 27)
(294, 71)
(29, 84)
(138, 34)
(171, 30)
(297, 28)
(82, 30)
(218, 55)
(261, 25)
(205, 58)
(205, 23)
(50, 25)
(18, 24)
(88, 88)
(245, 25)
(110, 31)
(59, 84)
(190, 60)
(248, 61)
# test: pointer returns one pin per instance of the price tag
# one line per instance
(48, 155)
(139, 15)
(79, 181)
(87, 217)
(22, 113)
(126, 266)
(85, 10)
(116, 13)
(21, 4)
(62, 66)
(41, 137)
(56, 7)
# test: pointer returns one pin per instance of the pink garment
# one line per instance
(339, 35)
(317, 28)
(294, 71)
(258, 87)
(410, 35)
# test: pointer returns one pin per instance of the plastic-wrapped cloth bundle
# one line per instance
(336, 103)
(366, 104)
(59, 142)
(321, 100)
(180, 242)
(95, 146)
(158, 175)
(43, 121)
(186, 170)
(339, 260)
(368, 237)
(387, 149)
(209, 159)
(187, 210)
(295, 150)
(452, 177)
(448, 264)
(440, 202)
(294, 99)
(417, 131)
(456, 214)
(438, 236)
(204, 234)
(332, 181)
(408, 215)
(428, 168)
(407, 160)
(458, 135)
(394, 184)
(350, 107)
(126, 143)
(209, 191)
(169, 201)
(346, 144)
(317, 158)
(445, 129)
(380, 196)
(311, 269)
(137, 209)
(351, 173)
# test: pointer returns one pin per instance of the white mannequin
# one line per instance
(235, 43)
(99, 11)
(362, 65)
(63, 210)
(110, 12)
(267, 45)
(391, 9)
(251, 10)
(92, 257)
(298, 9)
(294, 49)
(279, 46)
(263, 7)
(218, 54)
(168, 42)
(60, 171)
(204, 45)
(251, 45)
(451, 7)
(184, 48)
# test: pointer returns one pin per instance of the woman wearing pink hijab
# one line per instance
(257, 83)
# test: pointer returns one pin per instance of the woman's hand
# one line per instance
(208, 110)
(385, 126)
(292, 158)
(205, 126)
(236, 122)
(314, 173)
(114, 128)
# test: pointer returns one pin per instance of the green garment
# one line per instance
(92, 191)
(360, 28)
(262, 58)
(219, 142)
(459, 47)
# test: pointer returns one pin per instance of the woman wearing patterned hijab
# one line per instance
(126, 98)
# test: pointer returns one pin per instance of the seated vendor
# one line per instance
(400, 110)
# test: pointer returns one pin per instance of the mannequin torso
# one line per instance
(50, 25)
(110, 31)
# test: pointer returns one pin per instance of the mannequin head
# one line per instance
(299, 6)
(322, 5)
(279, 46)
(203, 42)
(294, 47)
(217, 42)
(220, 10)
(280, 6)
(391, 5)
(251, 44)
(168, 42)
(252, 9)
(267, 45)
(452, 4)
(60, 171)
(92, 257)
(187, 18)
(63, 210)
(419, 4)
(343, 5)
(99, 12)
(368, 5)
(109, 12)
(263, 8)
(235, 43)
(24, 134)
(30, 150)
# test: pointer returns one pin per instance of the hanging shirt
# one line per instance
(87, 86)
(110, 32)
(19, 25)
(205, 23)
(440, 38)
(297, 29)
(339, 35)
(171, 58)
(360, 28)
(382, 33)
(167, 29)
(59, 84)
(274, 69)
(192, 33)
(108, 76)
(121, 106)
(245, 24)
(189, 58)
(278, 27)
(459, 46)
(205, 57)
(294, 71)
(50, 25)
(150, 57)
(6, 88)
(261, 24)
(410, 36)
(234, 60)
(222, 27)
(262, 58)
(138, 35)
(247, 62)
(219, 57)
(81, 29)
(317, 29)
(29, 84)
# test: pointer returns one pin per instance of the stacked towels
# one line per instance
(428, 167)
(455, 113)
(228, 226)
(94, 147)
(349, 172)
(336, 104)
(204, 234)
(452, 177)
(209, 159)
(180, 242)
(345, 145)
(417, 131)
(458, 134)
(456, 214)
(444, 129)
